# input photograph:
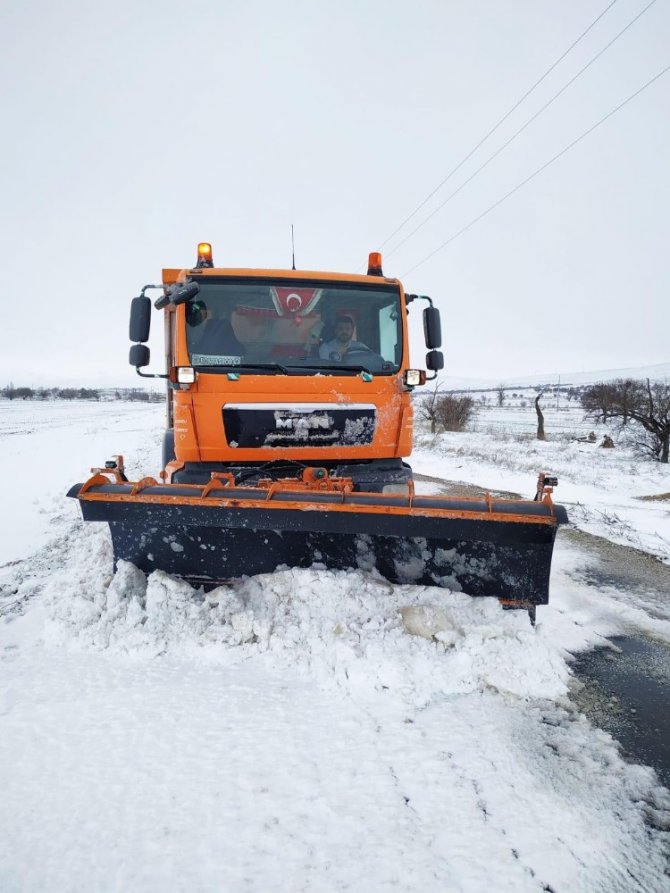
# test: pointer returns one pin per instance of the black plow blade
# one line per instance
(487, 547)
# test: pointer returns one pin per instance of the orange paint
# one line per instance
(197, 410)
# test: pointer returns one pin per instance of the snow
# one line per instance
(604, 490)
(48, 446)
(302, 730)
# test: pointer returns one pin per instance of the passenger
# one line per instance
(342, 343)
(196, 313)
(214, 337)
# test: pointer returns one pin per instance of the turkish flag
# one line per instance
(295, 301)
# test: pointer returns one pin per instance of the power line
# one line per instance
(538, 171)
(519, 131)
(501, 121)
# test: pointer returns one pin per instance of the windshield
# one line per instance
(294, 325)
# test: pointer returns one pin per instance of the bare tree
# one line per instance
(500, 395)
(540, 418)
(453, 412)
(643, 404)
(428, 409)
(598, 400)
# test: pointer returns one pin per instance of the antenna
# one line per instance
(292, 248)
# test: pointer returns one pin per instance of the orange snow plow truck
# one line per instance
(289, 417)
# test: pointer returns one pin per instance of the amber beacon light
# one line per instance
(375, 264)
(204, 255)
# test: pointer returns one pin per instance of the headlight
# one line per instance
(415, 377)
(185, 374)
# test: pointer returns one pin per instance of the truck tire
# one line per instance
(168, 446)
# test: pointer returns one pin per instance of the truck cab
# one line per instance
(287, 367)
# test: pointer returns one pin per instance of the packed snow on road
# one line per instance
(308, 729)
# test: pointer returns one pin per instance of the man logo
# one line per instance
(303, 423)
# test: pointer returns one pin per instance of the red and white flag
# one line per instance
(295, 301)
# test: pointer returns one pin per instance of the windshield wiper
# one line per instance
(286, 370)
(336, 370)
(355, 368)
(243, 367)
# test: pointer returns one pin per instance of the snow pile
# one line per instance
(338, 624)
(369, 736)
(310, 712)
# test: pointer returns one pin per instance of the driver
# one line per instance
(342, 343)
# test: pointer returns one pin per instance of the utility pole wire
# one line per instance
(535, 173)
(520, 130)
(496, 126)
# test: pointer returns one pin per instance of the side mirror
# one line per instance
(184, 293)
(432, 329)
(140, 319)
(434, 360)
(177, 294)
(139, 355)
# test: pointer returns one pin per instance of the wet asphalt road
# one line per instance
(624, 686)
(625, 690)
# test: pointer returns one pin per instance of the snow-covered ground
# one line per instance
(47, 446)
(606, 491)
(303, 730)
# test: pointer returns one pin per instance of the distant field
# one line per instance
(515, 419)
(562, 417)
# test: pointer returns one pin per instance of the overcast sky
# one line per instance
(133, 130)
